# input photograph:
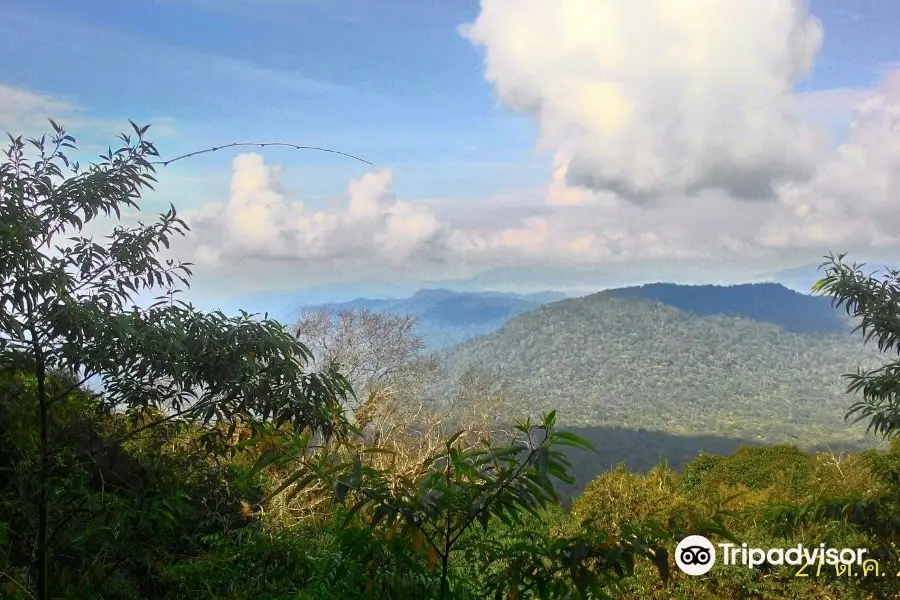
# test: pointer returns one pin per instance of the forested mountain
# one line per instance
(766, 302)
(621, 358)
(447, 317)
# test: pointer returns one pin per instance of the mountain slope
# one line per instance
(765, 302)
(611, 359)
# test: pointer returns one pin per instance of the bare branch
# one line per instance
(166, 163)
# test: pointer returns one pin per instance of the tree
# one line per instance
(874, 301)
(460, 490)
(68, 305)
(370, 347)
(403, 406)
(412, 422)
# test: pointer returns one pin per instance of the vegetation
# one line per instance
(763, 302)
(611, 360)
(223, 459)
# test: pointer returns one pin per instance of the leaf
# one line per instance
(356, 472)
(301, 478)
(268, 456)
(660, 558)
(453, 438)
(340, 491)
(432, 558)
(355, 509)
(549, 419)
(573, 440)
(380, 513)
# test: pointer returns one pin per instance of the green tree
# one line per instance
(463, 493)
(874, 301)
(68, 305)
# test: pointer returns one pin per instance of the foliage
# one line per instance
(758, 468)
(875, 302)
(459, 490)
(67, 304)
(767, 518)
(371, 347)
(696, 471)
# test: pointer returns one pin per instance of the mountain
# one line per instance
(689, 360)
(447, 317)
(764, 302)
(527, 278)
(284, 305)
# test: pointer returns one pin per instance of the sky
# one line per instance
(667, 139)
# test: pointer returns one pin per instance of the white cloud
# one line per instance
(260, 221)
(661, 96)
(848, 202)
(22, 109)
(854, 195)
(26, 112)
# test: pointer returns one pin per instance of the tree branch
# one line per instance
(166, 163)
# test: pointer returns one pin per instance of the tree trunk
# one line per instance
(445, 583)
(44, 480)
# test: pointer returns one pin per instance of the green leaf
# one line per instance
(660, 557)
(566, 438)
(268, 456)
(355, 509)
(301, 478)
(340, 491)
(453, 439)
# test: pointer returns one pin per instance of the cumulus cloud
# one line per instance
(662, 96)
(555, 240)
(849, 200)
(853, 197)
(23, 109)
(600, 229)
(260, 220)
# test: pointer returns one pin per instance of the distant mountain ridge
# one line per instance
(447, 317)
(764, 302)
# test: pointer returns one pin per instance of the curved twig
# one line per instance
(19, 585)
(165, 163)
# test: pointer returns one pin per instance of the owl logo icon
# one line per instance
(695, 555)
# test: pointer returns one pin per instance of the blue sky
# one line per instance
(393, 83)
(398, 84)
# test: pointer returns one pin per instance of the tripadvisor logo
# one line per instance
(695, 555)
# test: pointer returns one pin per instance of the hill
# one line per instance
(764, 302)
(447, 317)
(622, 358)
